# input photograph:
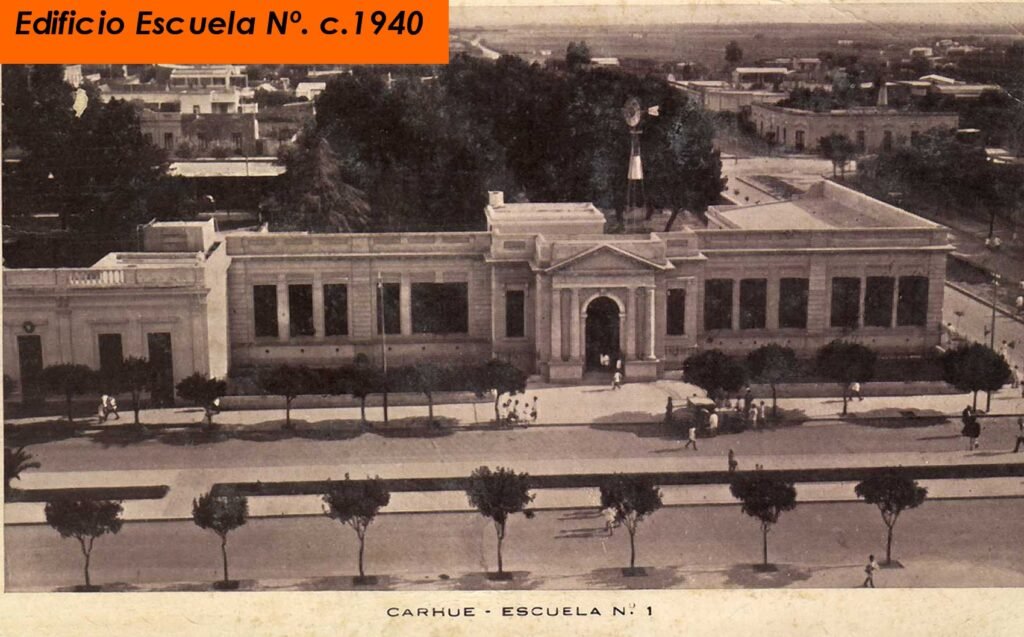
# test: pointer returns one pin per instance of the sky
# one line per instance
(502, 12)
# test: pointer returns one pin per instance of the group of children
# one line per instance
(512, 412)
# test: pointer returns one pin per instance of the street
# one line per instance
(943, 543)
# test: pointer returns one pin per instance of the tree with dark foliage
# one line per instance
(892, 493)
(633, 498)
(356, 503)
(84, 520)
(765, 498)
(497, 495)
(221, 514)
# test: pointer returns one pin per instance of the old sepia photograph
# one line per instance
(623, 296)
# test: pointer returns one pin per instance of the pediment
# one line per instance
(606, 258)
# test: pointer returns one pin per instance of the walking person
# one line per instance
(617, 380)
(691, 438)
(1020, 434)
(669, 408)
(870, 569)
(712, 424)
(533, 412)
(762, 415)
(748, 399)
(752, 416)
(112, 408)
(101, 411)
(733, 465)
(855, 390)
(609, 520)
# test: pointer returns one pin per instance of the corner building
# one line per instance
(542, 287)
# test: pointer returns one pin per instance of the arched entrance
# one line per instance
(602, 333)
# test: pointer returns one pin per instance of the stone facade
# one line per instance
(871, 129)
(542, 287)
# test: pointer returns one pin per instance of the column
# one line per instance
(405, 305)
(538, 318)
(556, 324)
(652, 322)
(284, 330)
(772, 305)
(318, 305)
(631, 327)
(895, 300)
(574, 326)
(736, 304)
(860, 301)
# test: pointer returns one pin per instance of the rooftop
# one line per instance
(226, 168)
(826, 206)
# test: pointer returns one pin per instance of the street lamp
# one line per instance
(383, 339)
(992, 332)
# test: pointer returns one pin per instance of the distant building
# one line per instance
(280, 125)
(922, 52)
(872, 129)
(542, 287)
(207, 76)
(718, 97)
(203, 133)
(604, 61)
(747, 77)
(309, 90)
(194, 101)
(73, 74)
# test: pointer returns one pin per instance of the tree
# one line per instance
(136, 375)
(501, 377)
(289, 382)
(356, 503)
(733, 53)
(714, 372)
(497, 495)
(16, 461)
(314, 195)
(84, 520)
(633, 498)
(772, 364)
(577, 54)
(838, 149)
(845, 362)
(892, 493)
(68, 380)
(202, 392)
(221, 514)
(363, 381)
(764, 497)
(429, 378)
(975, 367)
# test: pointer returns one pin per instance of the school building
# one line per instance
(543, 287)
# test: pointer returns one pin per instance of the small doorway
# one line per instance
(162, 360)
(602, 334)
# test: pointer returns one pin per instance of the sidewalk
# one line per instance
(586, 404)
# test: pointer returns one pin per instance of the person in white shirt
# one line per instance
(713, 423)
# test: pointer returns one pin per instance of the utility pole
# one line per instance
(992, 332)
(383, 339)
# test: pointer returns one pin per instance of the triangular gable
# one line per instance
(607, 257)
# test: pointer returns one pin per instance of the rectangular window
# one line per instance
(264, 309)
(162, 359)
(675, 312)
(111, 354)
(389, 309)
(440, 308)
(718, 304)
(915, 137)
(793, 295)
(845, 301)
(862, 144)
(912, 304)
(753, 303)
(887, 140)
(30, 364)
(878, 301)
(168, 141)
(515, 314)
(300, 310)
(236, 139)
(336, 309)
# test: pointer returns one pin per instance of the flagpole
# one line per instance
(383, 340)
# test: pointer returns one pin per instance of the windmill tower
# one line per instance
(636, 197)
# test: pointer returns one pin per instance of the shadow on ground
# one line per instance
(612, 578)
(746, 576)
(521, 581)
(894, 418)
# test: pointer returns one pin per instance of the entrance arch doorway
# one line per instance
(602, 333)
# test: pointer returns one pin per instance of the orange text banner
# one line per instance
(221, 31)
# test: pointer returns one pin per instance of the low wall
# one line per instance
(395, 399)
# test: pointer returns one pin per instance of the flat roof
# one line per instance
(816, 213)
(226, 168)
